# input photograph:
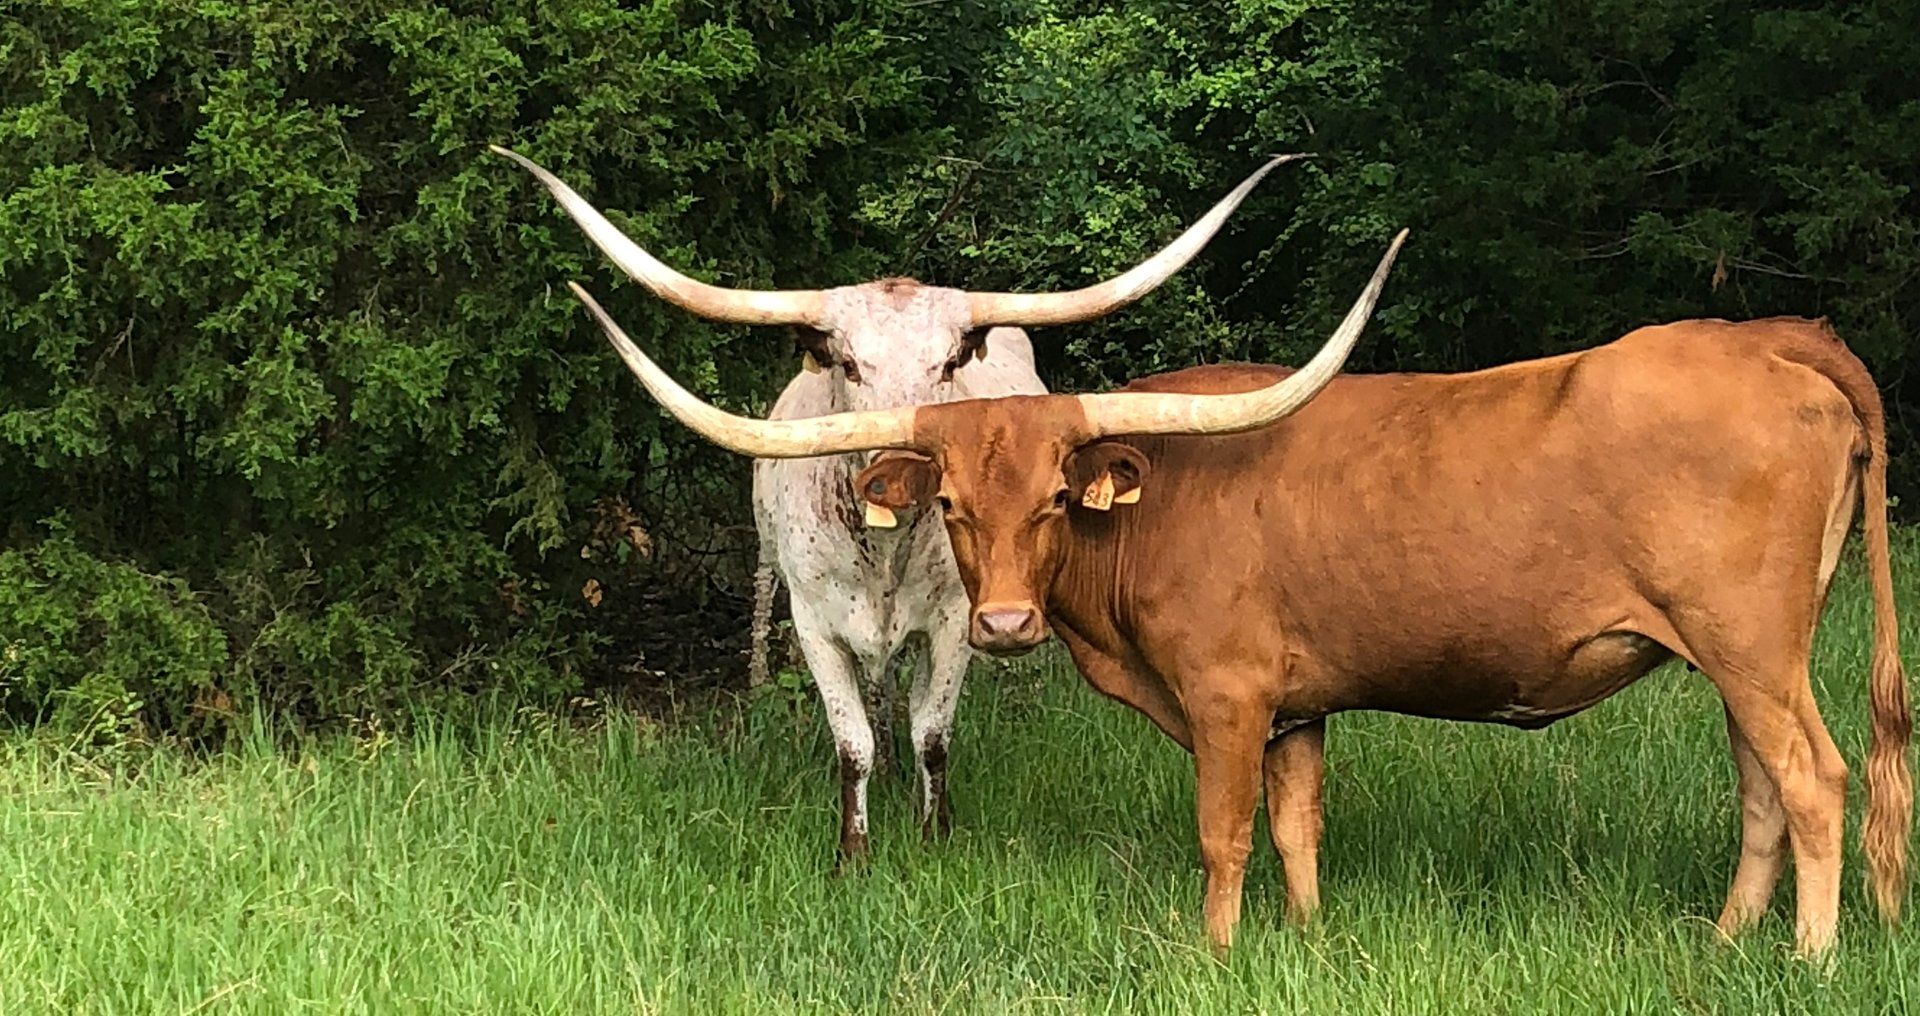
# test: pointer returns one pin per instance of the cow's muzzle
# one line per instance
(1007, 629)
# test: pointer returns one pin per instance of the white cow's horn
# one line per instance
(767, 439)
(1115, 293)
(742, 306)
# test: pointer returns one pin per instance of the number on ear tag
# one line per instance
(1099, 495)
(880, 516)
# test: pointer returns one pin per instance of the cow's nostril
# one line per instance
(1007, 624)
(1002, 622)
(1007, 630)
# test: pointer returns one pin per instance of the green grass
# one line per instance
(527, 866)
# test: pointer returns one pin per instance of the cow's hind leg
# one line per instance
(836, 676)
(1763, 838)
(1295, 767)
(1771, 703)
(934, 697)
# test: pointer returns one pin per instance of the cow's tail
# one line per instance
(1889, 779)
(762, 623)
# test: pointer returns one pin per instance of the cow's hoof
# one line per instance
(1820, 955)
(937, 827)
(851, 858)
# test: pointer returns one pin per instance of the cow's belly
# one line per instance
(1519, 692)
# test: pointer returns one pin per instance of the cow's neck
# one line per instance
(1086, 594)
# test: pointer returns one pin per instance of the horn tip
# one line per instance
(593, 306)
(508, 153)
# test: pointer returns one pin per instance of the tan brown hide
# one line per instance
(1512, 545)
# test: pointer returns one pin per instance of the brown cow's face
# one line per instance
(1005, 475)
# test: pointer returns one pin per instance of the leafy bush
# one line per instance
(282, 332)
(102, 647)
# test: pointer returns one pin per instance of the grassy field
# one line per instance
(638, 866)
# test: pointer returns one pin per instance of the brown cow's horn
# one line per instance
(767, 439)
(1155, 413)
(1115, 293)
(742, 306)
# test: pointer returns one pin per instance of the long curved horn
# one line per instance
(741, 306)
(766, 439)
(1159, 413)
(1115, 293)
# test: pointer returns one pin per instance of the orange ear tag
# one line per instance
(1099, 495)
(1130, 497)
(880, 516)
(812, 365)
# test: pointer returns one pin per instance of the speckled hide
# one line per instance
(859, 594)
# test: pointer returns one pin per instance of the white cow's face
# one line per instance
(894, 343)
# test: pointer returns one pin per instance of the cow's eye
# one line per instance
(1060, 498)
(945, 502)
(853, 372)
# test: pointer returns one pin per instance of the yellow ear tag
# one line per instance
(880, 516)
(1099, 495)
(812, 365)
(1130, 497)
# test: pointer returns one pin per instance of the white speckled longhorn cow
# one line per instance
(864, 585)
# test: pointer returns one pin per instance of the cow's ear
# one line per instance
(1106, 473)
(896, 480)
(812, 344)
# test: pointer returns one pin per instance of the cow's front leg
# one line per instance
(1228, 738)
(835, 676)
(935, 696)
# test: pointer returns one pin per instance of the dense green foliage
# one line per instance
(278, 329)
(287, 374)
(520, 865)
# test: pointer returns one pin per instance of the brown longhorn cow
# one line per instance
(1511, 545)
